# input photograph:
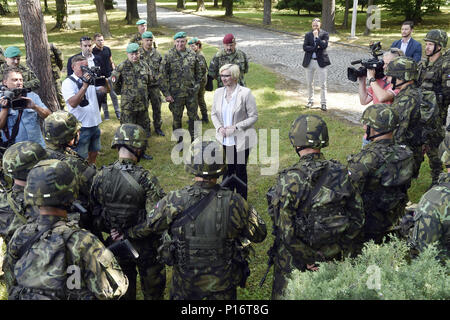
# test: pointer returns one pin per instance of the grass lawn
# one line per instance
(277, 108)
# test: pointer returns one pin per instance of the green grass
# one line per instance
(277, 107)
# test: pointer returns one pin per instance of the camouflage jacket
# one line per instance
(136, 38)
(222, 58)
(62, 252)
(2, 57)
(132, 81)
(153, 58)
(123, 203)
(180, 73)
(432, 219)
(284, 200)
(30, 80)
(382, 171)
(242, 223)
(406, 104)
(203, 64)
(56, 60)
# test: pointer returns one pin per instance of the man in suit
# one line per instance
(410, 47)
(316, 59)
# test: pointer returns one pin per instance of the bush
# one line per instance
(308, 5)
(379, 272)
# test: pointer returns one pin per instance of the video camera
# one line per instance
(96, 79)
(15, 97)
(373, 64)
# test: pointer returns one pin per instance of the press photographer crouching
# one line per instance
(79, 92)
(20, 111)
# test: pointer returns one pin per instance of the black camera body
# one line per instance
(15, 97)
(372, 64)
(95, 76)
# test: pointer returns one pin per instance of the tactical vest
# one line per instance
(41, 272)
(202, 244)
(323, 217)
(124, 198)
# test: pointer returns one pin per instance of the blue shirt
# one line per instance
(29, 128)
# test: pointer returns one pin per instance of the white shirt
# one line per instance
(89, 115)
(404, 45)
(90, 60)
(227, 114)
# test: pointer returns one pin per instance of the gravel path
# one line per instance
(281, 52)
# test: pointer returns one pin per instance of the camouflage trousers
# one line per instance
(59, 96)
(435, 164)
(201, 100)
(181, 291)
(177, 108)
(152, 274)
(136, 117)
(418, 159)
(155, 100)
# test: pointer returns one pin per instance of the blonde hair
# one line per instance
(234, 69)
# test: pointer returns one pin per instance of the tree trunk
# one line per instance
(102, 19)
(367, 31)
(347, 9)
(61, 15)
(328, 15)
(201, 5)
(228, 8)
(132, 11)
(152, 20)
(216, 4)
(46, 9)
(267, 19)
(109, 5)
(180, 4)
(417, 12)
(36, 45)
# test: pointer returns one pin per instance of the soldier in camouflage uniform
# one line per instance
(382, 171)
(122, 192)
(228, 55)
(137, 37)
(180, 80)
(61, 134)
(132, 79)
(411, 130)
(52, 258)
(196, 46)
(2, 56)
(153, 58)
(17, 163)
(433, 75)
(432, 216)
(56, 60)
(316, 212)
(205, 247)
(12, 55)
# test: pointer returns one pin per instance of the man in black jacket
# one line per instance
(316, 59)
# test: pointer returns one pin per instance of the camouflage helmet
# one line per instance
(437, 36)
(21, 157)
(380, 117)
(310, 131)
(206, 159)
(444, 149)
(51, 183)
(402, 68)
(60, 127)
(132, 135)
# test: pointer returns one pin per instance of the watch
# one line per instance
(372, 80)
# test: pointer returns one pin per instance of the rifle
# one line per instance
(271, 254)
(228, 179)
(123, 248)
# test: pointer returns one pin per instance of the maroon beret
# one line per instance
(229, 38)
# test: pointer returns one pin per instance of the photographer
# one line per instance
(80, 95)
(19, 116)
(379, 90)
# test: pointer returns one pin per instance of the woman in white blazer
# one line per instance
(233, 114)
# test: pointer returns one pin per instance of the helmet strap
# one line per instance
(370, 138)
(395, 84)
(434, 50)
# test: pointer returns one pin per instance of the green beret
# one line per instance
(193, 40)
(147, 35)
(12, 52)
(132, 47)
(142, 21)
(179, 35)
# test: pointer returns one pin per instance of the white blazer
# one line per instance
(245, 115)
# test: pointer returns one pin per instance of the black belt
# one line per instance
(314, 58)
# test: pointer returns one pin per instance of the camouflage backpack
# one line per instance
(432, 131)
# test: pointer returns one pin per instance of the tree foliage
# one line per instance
(297, 5)
(357, 278)
(412, 10)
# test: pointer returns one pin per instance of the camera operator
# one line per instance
(80, 95)
(21, 123)
(379, 90)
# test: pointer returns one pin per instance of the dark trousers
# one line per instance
(237, 164)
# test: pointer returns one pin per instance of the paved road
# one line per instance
(281, 52)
